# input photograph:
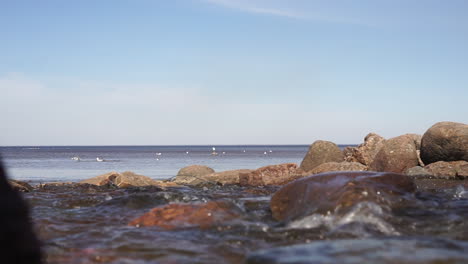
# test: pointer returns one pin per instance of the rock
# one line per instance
(365, 152)
(20, 186)
(270, 175)
(445, 141)
(388, 250)
(396, 155)
(448, 170)
(338, 166)
(328, 192)
(321, 152)
(180, 216)
(225, 177)
(18, 242)
(192, 174)
(418, 172)
(124, 180)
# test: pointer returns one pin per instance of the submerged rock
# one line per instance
(192, 174)
(351, 251)
(270, 175)
(397, 154)
(329, 192)
(321, 152)
(448, 170)
(445, 141)
(125, 179)
(365, 152)
(195, 215)
(338, 166)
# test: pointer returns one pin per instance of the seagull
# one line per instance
(186, 152)
(99, 159)
(264, 153)
(158, 154)
(271, 151)
(76, 158)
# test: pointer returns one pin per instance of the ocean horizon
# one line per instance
(74, 163)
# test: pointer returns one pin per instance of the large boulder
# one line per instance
(445, 141)
(328, 192)
(192, 174)
(397, 154)
(181, 216)
(270, 175)
(125, 179)
(338, 166)
(448, 170)
(365, 152)
(321, 152)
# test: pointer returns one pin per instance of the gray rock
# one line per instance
(445, 141)
(321, 152)
(192, 174)
(418, 172)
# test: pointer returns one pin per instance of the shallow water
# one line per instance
(90, 225)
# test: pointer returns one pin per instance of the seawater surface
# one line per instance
(54, 163)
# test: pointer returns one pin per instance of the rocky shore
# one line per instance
(380, 181)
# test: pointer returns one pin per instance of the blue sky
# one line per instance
(121, 72)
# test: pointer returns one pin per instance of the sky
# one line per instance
(178, 72)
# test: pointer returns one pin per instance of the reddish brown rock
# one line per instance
(448, 170)
(338, 166)
(329, 192)
(396, 155)
(365, 152)
(125, 179)
(179, 216)
(225, 177)
(321, 152)
(445, 141)
(192, 174)
(270, 175)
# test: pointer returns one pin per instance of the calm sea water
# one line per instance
(43, 164)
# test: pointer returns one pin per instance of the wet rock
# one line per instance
(332, 191)
(396, 155)
(191, 175)
(448, 170)
(270, 175)
(338, 166)
(352, 251)
(445, 141)
(20, 186)
(180, 216)
(321, 152)
(125, 180)
(225, 177)
(18, 242)
(365, 152)
(418, 172)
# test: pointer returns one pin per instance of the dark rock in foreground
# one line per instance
(321, 152)
(327, 192)
(383, 250)
(445, 141)
(18, 243)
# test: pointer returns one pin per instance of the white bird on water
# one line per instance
(76, 158)
(99, 159)
(158, 154)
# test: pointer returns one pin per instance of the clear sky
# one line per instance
(155, 72)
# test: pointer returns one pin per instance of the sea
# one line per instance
(74, 163)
